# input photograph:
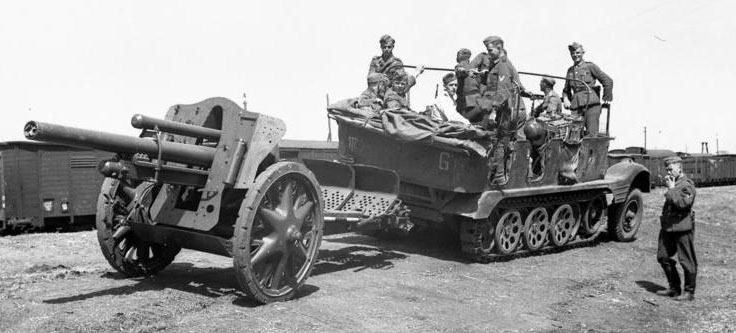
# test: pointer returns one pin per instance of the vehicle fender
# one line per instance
(624, 176)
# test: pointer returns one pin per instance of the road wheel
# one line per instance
(624, 218)
(592, 216)
(126, 252)
(536, 228)
(278, 232)
(508, 231)
(563, 225)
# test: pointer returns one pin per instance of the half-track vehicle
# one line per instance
(208, 177)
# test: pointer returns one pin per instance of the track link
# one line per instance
(474, 234)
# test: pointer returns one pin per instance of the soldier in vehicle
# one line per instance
(551, 106)
(386, 63)
(371, 99)
(577, 97)
(444, 106)
(396, 97)
(503, 108)
(678, 231)
(469, 87)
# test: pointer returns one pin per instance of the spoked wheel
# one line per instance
(536, 228)
(624, 218)
(278, 232)
(123, 249)
(508, 231)
(563, 225)
(591, 218)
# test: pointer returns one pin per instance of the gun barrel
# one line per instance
(174, 127)
(170, 151)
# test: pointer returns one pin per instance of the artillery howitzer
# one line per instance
(209, 178)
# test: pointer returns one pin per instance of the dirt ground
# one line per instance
(60, 282)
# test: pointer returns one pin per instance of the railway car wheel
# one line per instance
(592, 216)
(536, 228)
(508, 231)
(278, 232)
(563, 225)
(125, 252)
(624, 218)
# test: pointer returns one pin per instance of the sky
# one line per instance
(93, 64)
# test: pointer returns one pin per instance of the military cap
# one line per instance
(449, 77)
(549, 81)
(400, 76)
(386, 39)
(574, 46)
(672, 160)
(374, 78)
(463, 54)
(493, 39)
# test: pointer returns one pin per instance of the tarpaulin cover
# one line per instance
(408, 125)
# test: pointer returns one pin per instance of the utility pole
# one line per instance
(645, 138)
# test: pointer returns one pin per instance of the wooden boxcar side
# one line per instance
(48, 184)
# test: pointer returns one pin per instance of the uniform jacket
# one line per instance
(551, 105)
(576, 92)
(369, 100)
(677, 213)
(502, 94)
(389, 67)
(469, 86)
(393, 100)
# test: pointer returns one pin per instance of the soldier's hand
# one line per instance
(669, 181)
(566, 104)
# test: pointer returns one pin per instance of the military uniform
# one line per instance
(369, 100)
(550, 107)
(676, 235)
(583, 102)
(394, 100)
(502, 97)
(468, 92)
(391, 66)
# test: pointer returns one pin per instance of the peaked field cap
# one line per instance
(574, 46)
(387, 39)
(672, 160)
(374, 78)
(492, 39)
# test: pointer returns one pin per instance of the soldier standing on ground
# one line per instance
(577, 97)
(371, 99)
(551, 106)
(678, 231)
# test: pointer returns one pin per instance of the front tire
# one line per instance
(625, 218)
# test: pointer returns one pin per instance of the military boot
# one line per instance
(686, 297)
(668, 292)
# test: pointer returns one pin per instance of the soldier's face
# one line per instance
(493, 50)
(387, 48)
(577, 55)
(674, 170)
(451, 87)
(398, 86)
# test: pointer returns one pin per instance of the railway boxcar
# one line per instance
(46, 185)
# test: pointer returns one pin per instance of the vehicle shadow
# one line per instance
(217, 282)
(445, 244)
(650, 286)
